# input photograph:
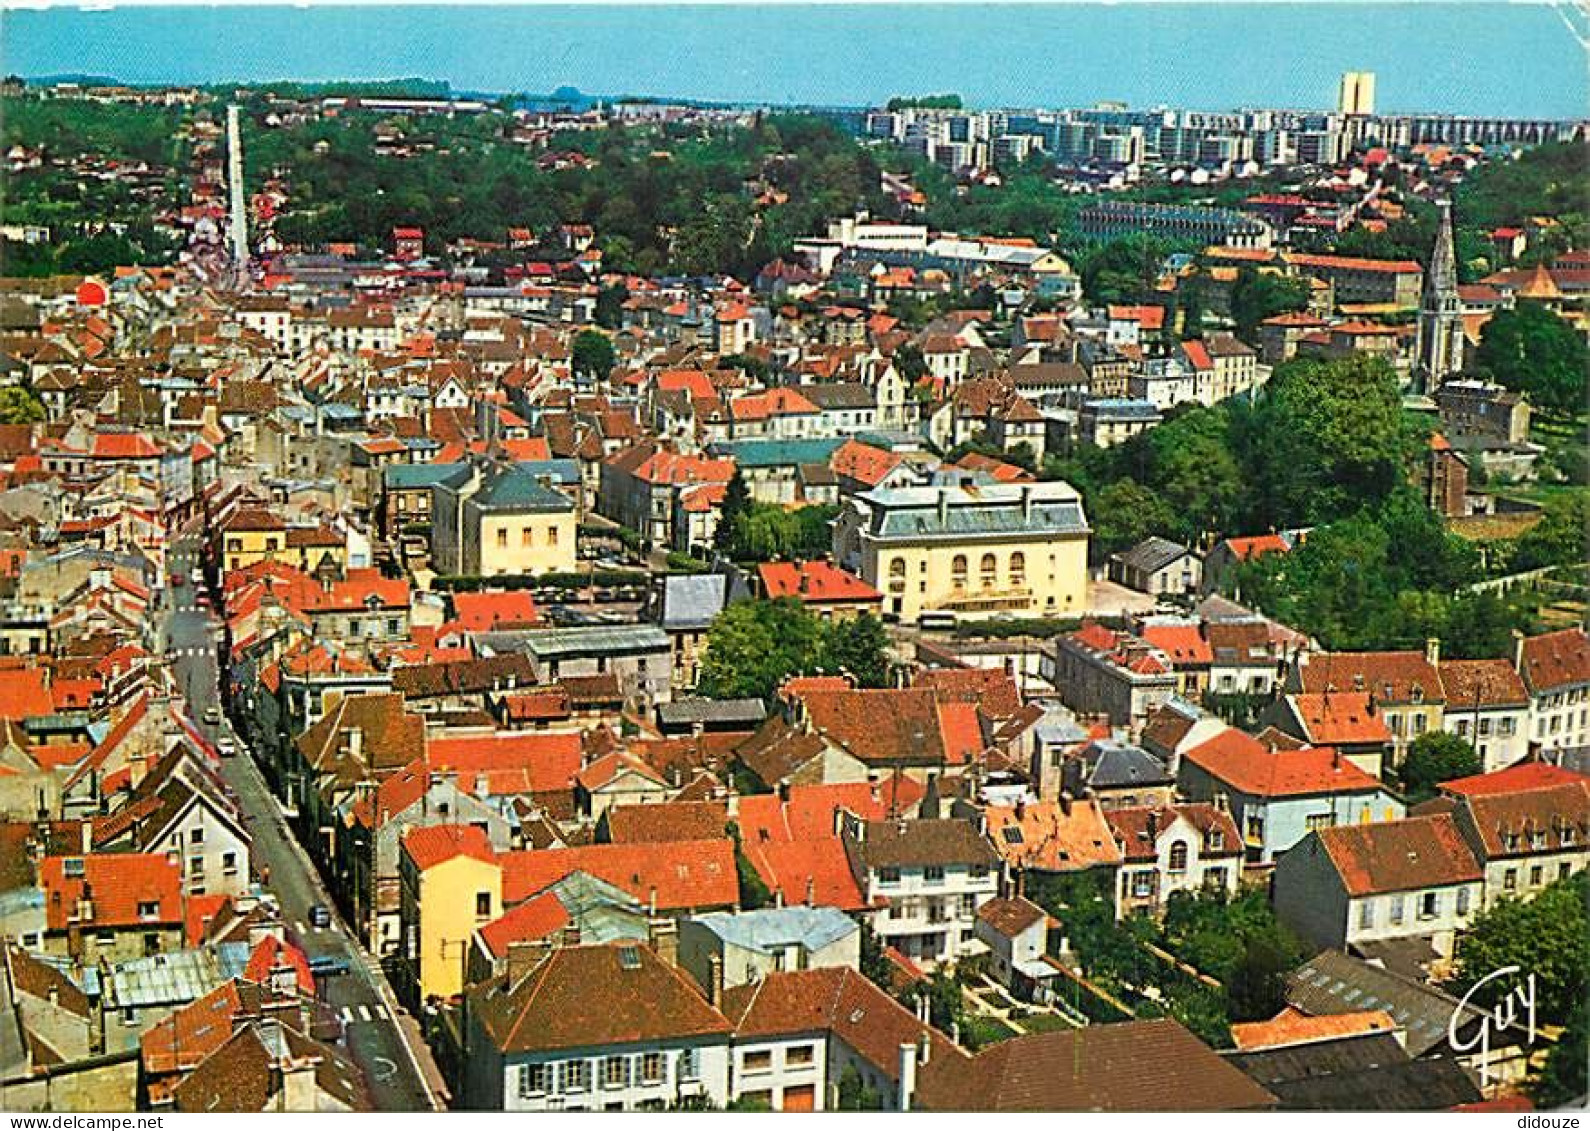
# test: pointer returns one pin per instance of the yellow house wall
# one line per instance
(448, 920)
(551, 548)
(1056, 574)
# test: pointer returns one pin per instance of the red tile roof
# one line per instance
(1391, 677)
(1340, 719)
(816, 582)
(1519, 778)
(1246, 765)
(430, 845)
(25, 694)
(482, 612)
(119, 887)
(535, 918)
(1184, 644)
(1294, 1027)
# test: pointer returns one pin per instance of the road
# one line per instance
(376, 1035)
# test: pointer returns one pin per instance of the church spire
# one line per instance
(1440, 344)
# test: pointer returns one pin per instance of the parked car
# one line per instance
(320, 915)
(227, 747)
(328, 966)
(212, 715)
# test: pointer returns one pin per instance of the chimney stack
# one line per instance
(715, 981)
(907, 1082)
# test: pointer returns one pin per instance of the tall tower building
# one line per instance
(1357, 95)
(234, 177)
(1440, 343)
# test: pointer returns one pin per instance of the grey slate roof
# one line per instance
(773, 928)
(1152, 554)
(417, 476)
(1368, 1072)
(840, 395)
(1115, 765)
(684, 712)
(690, 601)
(1332, 982)
(915, 512)
(517, 490)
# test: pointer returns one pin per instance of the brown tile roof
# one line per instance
(680, 875)
(1010, 917)
(1043, 836)
(1293, 1027)
(1100, 1068)
(1392, 856)
(660, 824)
(584, 996)
(1488, 683)
(1391, 677)
(1137, 834)
(992, 690)
(1242, 762)
(837, 1001)
(916, 844)
(1556, 659)
(1551, 819)
(1341, 718)
(896, 726)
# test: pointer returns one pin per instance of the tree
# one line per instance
(20, 405)
(859, 646)
(1558, 538)
(1257, 989)
(1325, 438)
(754, 646)
(1563, 1078)
(1531, 350)
(1547, 936)
(1434, 757)
(855, 1094)
(610, 306)
(909, 361)
(1123, 514)
(593, 355)
(1257, 295)
(736, 503)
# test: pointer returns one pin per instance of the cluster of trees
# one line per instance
(754, 646)
(1326, 446)
(749, 531)
(1547, 180)
(1531, 350)
(1434, 757)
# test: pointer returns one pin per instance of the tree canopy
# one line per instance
(754, 646)
(1531, 350)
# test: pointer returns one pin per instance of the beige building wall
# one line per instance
(527, 544)
(1033, 575)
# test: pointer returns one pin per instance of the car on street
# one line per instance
(227, 747)
(198, 577)
(328, 966)
(212, 715)
(320, 915)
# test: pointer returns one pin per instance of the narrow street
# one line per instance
(381, 1038)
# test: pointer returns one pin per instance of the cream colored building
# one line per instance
(1004, 549)
(502, 520)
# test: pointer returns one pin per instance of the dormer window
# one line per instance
(149, 909)
(1217, 839)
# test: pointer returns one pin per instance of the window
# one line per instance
(1394, 724)
(527, 537)
(1506, 727)
(651, 1068)
(502, 538)
(933, 874)
(148, 909)
(1142, 885)
(615, 1071)
(196, 836)
(1510, 880)
(552, 536)
(229, 862)
(195, 865)
(1535, 875)
(937, 913)
(532, 1080)
(1319, 821)
(1429, 905)
(1217, 840)
(1485, 728)
(689, 1065)
(1418, 724)
(761, 1061)
(482, 904)
(888, 875)
(1462, 728)
(1018, 568)
(1255, 827)
(989, 571)
(1463, 901)
(1366, 914)
(958, 571)
(576, 1076)
(1215, 878)
(897, 575)
(800, 1056)
(1396, 909)
(1178, 856)
(968, 906)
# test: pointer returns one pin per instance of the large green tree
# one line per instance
(1435, 757)
(1257, 295)
(754, 646)
(1531, 350)
(593, 355)
(1547, 937)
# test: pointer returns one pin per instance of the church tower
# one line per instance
(1440, 342)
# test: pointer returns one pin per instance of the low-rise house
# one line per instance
(684, 606)
(1190, 847)
(1529, 825)
(640, 655)
(1115, 674)
(1157, 566)
(824, 590)
(593, 1028)
(1016, 932)
(1276, 796)
(1556, 669)
(1487, 704)
(111, 905)
(1405, 686)
(927, 878)
(1117, 775)
(1344, 721)
(799, 1036)
(502, 520)
(1352, 887)
(742, 947)
(450, 884)
(1053, 836)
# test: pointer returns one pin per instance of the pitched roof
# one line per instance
(1556, 659)
(681, 875)
(1044, 836)
(1482, 683)
(1099, 1068)
(921, 843)
(118, 886)
(585, 996)
(666, 823)
(1245, 764)
(1393, 856)
(535, 918)
(1292, 1026)
(430, 845)
(814, 582)
(1517, 778)
(1391, 677)
(1011, 916)
(1339, 719)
